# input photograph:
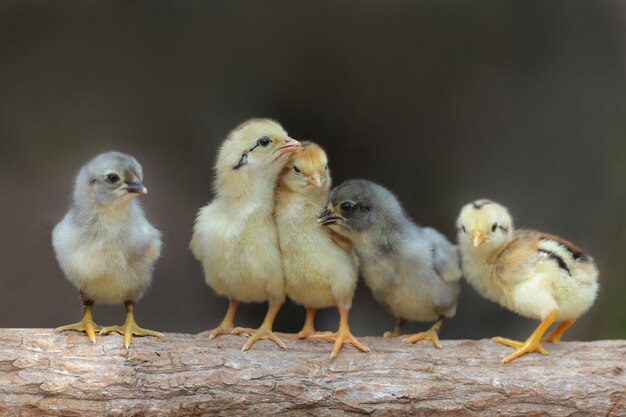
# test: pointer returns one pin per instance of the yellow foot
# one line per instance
(397, 331)
(394, 333)
(221, 329)
(257, 334)
(427, 335)
(130, 329)
(341, 337)
(302, 334)
(520, 348)
(85, 325)
(555, 335)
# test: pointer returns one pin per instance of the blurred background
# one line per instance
(442, 102)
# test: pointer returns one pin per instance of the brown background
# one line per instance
(441, 101)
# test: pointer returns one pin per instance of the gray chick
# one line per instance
(105, 245)
(412, 270)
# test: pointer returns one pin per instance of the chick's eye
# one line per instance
(346, 207)
(296, 169)
(263, 142)
(494, 227)
(463, 227)
(112, 178)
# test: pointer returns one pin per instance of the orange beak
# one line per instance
(477, 237)
(315, 179)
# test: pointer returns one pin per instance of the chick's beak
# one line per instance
(328, 217)
(315, 179)
(291, 145)
(136, 186)
(477, 237)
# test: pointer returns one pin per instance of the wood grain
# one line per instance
(51, 374)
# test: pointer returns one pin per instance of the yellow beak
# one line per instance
(477, 237)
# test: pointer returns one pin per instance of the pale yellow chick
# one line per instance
(235, 235)
(319, 272)
(532, 273)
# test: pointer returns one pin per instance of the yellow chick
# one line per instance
(532, 273)
(319, 273)
(235, 235)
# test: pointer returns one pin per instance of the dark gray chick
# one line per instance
(412, 270)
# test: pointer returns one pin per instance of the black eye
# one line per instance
(264, 141)
(296, 169)
(346, 207)
(326, 167)
(494, 227)
(463, 227)
(112, 178)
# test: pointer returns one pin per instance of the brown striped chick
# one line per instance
(235, 235)
(319, 273)
(532, 273)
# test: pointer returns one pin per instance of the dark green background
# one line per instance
(441, 101)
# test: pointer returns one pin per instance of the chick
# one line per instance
(235, 235)
(318, 272)
(534, 274)
(412, 270)
(105, 245)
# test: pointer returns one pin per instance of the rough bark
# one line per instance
(46, 373)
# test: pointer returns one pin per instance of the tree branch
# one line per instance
(52, 374)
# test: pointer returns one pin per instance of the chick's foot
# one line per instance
(86, 324)
(427, 335)
(533, 343)
(397, 331)
(515, 344)
(342, 336)
(307, 330)
(256, 335)
(264, 332)
(226, 326)
(431, 334)
(303, 334)
(219, 330)
(555, 335)
(130, 328)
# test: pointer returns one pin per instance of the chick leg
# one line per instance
(343, 334)
(86, 324)
(226, 326)
(431, 334)
(265, 331)
(130, 328)
(531, 344)
(397, 331)
(555, 335)
(307, 330)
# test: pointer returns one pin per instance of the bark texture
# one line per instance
(43, 373)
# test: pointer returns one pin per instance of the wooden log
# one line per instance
(43, 373)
